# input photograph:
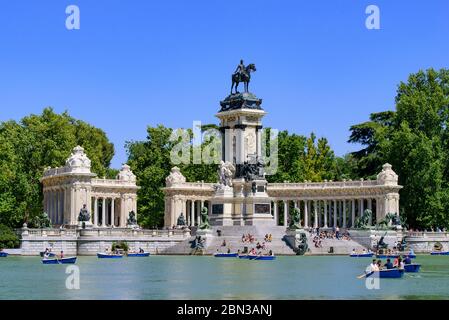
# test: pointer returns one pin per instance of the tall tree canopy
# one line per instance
(415, 140)
(36, 142)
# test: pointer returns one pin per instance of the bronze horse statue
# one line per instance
(243, 77)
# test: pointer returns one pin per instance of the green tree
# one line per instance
(415, 140)
(36, 142)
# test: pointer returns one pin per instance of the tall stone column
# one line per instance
(275, 213)
(113, 212)
(103, 215)
(306, 214)
(96, 212)
(325, 213)
(315, 213)
(344, 213)
(361, 207)
(352, 213)
(240, 152)
(198, 209)
(227, 144)
(335, 213)
(370, 207)
(192, 213)
(259, 141)
(285, 212)
(172, 211)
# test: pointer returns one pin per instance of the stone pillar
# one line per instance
(315, 213)
(199, 207)
(325, 213)
(192, 213)
(335, 213)
(361, 207)
(306, 214)
(275, 213)
(259, 141)
(228, 154)
(199, 212)
(285, 212)
(96, 212)
(344, 213)
(352, 213)
(240, 147)
(103, 214)
(113, 212)
(173, 212)
(370, 207)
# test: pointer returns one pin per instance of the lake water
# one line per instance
(196, 277)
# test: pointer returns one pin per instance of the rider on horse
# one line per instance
(241, 70)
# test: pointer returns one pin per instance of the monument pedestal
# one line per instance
(222, 207)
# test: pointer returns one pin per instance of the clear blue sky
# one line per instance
(138, 63)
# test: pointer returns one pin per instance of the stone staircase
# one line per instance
(233, 237)
(339, 246)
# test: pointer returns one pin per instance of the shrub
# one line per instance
(8, 239)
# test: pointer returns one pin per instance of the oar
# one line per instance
(361, 276)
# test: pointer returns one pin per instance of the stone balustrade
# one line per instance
(323, 185)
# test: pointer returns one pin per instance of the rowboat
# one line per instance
(265, 258)
(226, 255)
(440, 253)
(413, 267)
(362, 255)
(139, 254)
(68, 260)
(49, 254)
(247, 256)
(411, 256)
(109, 255)
(389, 273)
(3, 254)
(387, 256)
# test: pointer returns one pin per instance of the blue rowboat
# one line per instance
(362, 255)
(411, 256)
(139, 254)
(440, 253)
(3, 254)
(109, 255)
(226, 255)
(387, 256)
(68, 260)
(246, 256)
(265, 258)
(390, 273)
(50, 254)
(413, 267)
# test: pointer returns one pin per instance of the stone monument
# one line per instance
(241, 196)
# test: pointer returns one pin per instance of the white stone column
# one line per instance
(306, 214)
(96, 212)
(352, 213)
(172, 211)
(103, 214)
(192, 213)
(325, 213)
(275, 213)
(198, 209)
(335, 213)
(344, 213)
(113, 212)
(361, 207)
(315, 213)
(285, 212)
(229, 152)
(370, 207)
(259, 142)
